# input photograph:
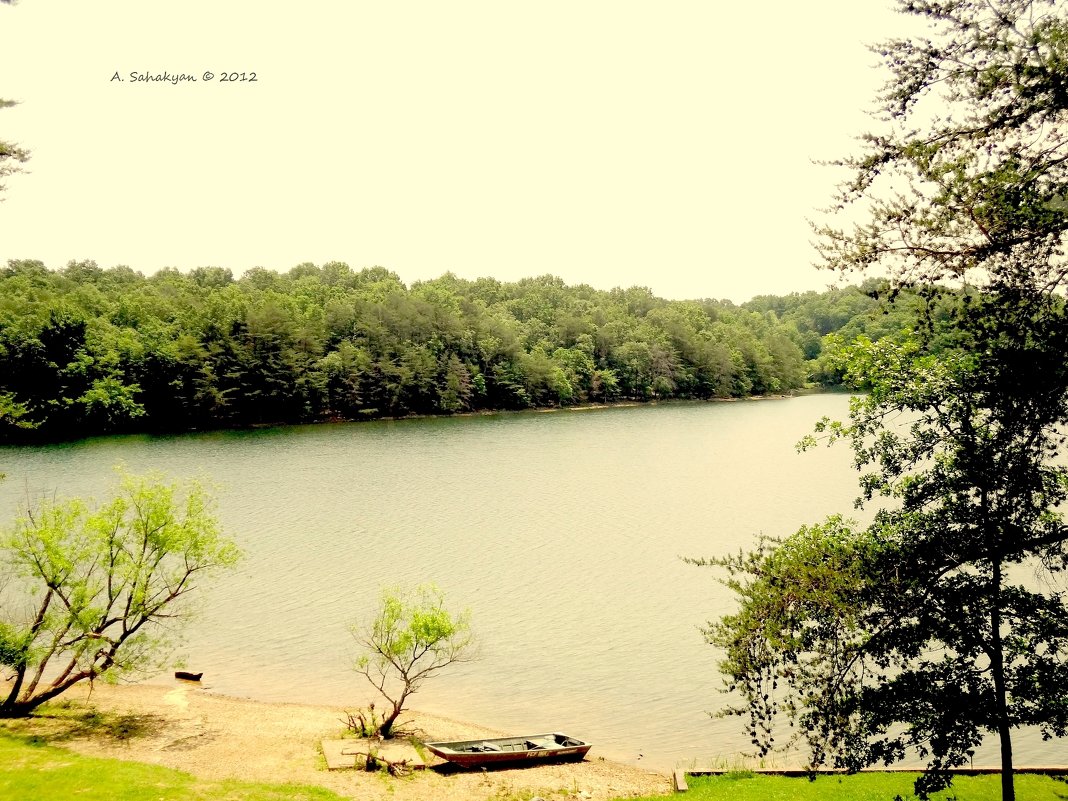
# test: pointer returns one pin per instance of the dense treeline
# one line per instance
(86, 350)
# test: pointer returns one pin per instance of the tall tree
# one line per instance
(925, 635)
(920, 632)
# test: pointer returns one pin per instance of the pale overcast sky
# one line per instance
(615, 143)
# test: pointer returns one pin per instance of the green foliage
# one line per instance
(800, 624)
(13, 413)
(112, 402)
(45, 773)
(85, 350)
(95, 593)
(411, 637)
(14, 646)
(857, 787)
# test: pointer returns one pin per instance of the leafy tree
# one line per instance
(604, 386)
(99, 591)
(919, 632)
(111, 401)
(411, 637)
(342, 370)
(457, 385)
(12, 412)
(929, 636)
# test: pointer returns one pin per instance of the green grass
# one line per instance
(36, 772)
(859, 787)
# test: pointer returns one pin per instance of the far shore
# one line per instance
(583, 407)
(587, 407)
(579, 407)
(179, 725)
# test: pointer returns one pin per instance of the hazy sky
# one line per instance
(663, 144)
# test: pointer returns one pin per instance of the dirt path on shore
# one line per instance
(216, 737)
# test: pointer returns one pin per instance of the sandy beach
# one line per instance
(216, 737)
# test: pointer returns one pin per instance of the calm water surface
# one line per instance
(562, 532)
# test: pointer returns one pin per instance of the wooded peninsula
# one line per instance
(86, 350)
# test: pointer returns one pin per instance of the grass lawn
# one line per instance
(858, 787)
(35, 772)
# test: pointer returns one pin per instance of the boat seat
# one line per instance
(488, 747)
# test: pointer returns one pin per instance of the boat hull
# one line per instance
(510, 750)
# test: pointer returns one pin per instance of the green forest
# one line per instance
(86, 350)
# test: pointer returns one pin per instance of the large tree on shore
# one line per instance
(929, 628)
(926, 629)
(95, 594)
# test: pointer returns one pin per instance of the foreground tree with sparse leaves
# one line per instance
(411, 637)
(98, 593)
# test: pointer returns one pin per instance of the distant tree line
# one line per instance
(86, 350)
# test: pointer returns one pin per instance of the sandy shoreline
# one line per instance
(218, 737)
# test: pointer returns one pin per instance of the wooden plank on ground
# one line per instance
(680, 781)
(335, 759)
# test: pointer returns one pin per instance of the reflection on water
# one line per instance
(562, 532)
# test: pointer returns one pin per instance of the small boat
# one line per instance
(187, 676)
(540, 747)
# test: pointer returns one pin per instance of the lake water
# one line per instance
(562, 532)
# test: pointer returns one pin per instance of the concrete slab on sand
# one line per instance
(341, 754)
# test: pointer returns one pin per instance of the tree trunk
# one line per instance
(16, 688)
(20, 673)
(14, 708)
(997, 667)
(19, 709)
(386, 729)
